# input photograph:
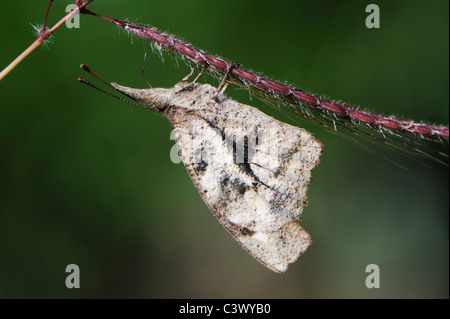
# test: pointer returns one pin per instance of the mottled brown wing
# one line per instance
(257, 193)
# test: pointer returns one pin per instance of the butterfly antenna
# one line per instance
(145, 66)
(84, 81)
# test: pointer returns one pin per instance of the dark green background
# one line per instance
(86, 179)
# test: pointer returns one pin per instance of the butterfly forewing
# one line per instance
(251, 170)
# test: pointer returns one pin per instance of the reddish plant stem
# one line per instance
(275, 88)
(44, 27)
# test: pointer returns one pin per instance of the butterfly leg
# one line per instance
(224, 84)
(199, 74)
(187, 77)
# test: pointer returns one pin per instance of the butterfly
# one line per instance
(251, 170)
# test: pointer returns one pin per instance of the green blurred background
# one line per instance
(86, 179)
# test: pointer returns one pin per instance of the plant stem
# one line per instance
(43, 36)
